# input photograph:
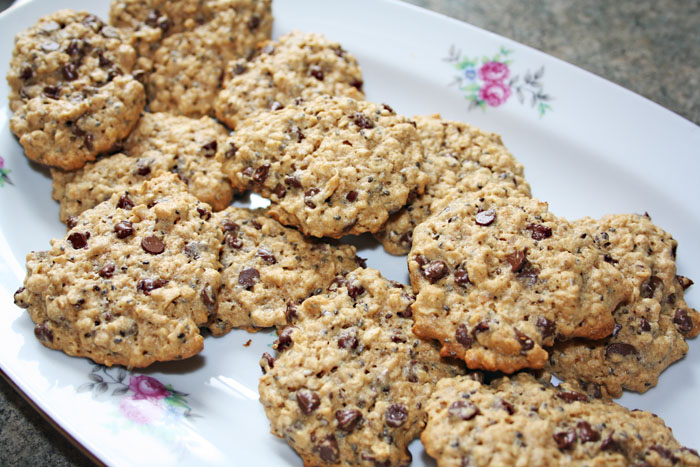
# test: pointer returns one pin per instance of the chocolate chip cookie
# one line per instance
(650, 329)
(71, 90)
(160, 143)
(521, 421)
(330, 166)
(350, 379)
(459, 158)
(131, 281)
(297, 65)
(269, 269)
(498, 277)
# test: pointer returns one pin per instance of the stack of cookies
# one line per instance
(135, 117)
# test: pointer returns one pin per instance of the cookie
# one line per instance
(70, 89)
(650, 329)
(350, 379)
(459, 158)
(131, 282)
(297, 65)
(330, 166)
(521, 421)
(188, 67)
(159, 143)
(498, 277)
(269, 269)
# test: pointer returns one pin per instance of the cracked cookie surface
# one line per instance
(297, 65)
(330, 166)
(498, 277)
(131, 281)
(269, 269)
(351, 379)
(71, 90)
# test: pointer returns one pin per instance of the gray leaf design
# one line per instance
(85, 387)
(472, 105)
(95, 378)
(539, 73)
(543, 97)
(121, 374)
(120, 391)
(528, 78)
(519, 92)
(96, 368)
(533, 101)
(101, 388)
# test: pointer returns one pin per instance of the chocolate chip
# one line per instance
(348, 419)
(280, 191)
(248, 277)
(233, 241)
(43, 333)
(396, 415)
(586, 432)
(405, 314)
(547, 328)
(88, 144)
(328, 449)
(93, 22)
(293, 182)
(308, 400)
(351, 196)
(684, 281)
(683, 322)
(125, 202)
(291, 312)
(517, 260)
(485, 217)
(649, 286)
(147, 285)
(107, 270)
(239, 69)
(253, 23)
(208, 297)
(665, 453)
(507, 406)
(362, 121)
(565, 439)
(355, 290)
(152, 18)
(539, 231)
(398, 339)
(123, 229)
(644, 325)
(339, 51)
(231, 151)
(361, 262)
(348, 340)
(316, 72)
(462, 335)
(269, 359)
(103, 61)
(307, 197)
(227, 225)
(276, 106)
(464, 410)
(435, 270)
(621, 349)
(52, 92)
(296, 132)
(609, 259)
(610, 444)
(572, 396)
(483, 326)
(76, 130)
(388, 108)
(461, 277)
(78, 240)
(357, 84)
(203, 213)
(75, 47)
(406, 240)
(266, 256)
(260, 174)
(27, 73)
(338, 281)
(525, 342)
(210, 148)
(153, 245)
(256, 224)
(71, 222)
(70, 72)
(284, 339)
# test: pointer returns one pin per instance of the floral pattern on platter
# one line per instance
(4, 174)
(489, 82)
(143, 400)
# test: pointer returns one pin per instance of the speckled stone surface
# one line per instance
(648, 46)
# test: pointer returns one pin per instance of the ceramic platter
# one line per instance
(589, 148)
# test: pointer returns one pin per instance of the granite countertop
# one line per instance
(651, 47)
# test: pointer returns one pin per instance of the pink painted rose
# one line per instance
(493, 71)
(2, 162)
(142, 411)
(494, 94)
(145, 387)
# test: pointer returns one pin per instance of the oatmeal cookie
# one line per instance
(350, 379)
(159, 143)
(330, 166)
(459, 158)
(650, 329)
(498, 277)
(131, 281)
(70, 89)
(269, 269)
(297, 65)
(521, 421)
